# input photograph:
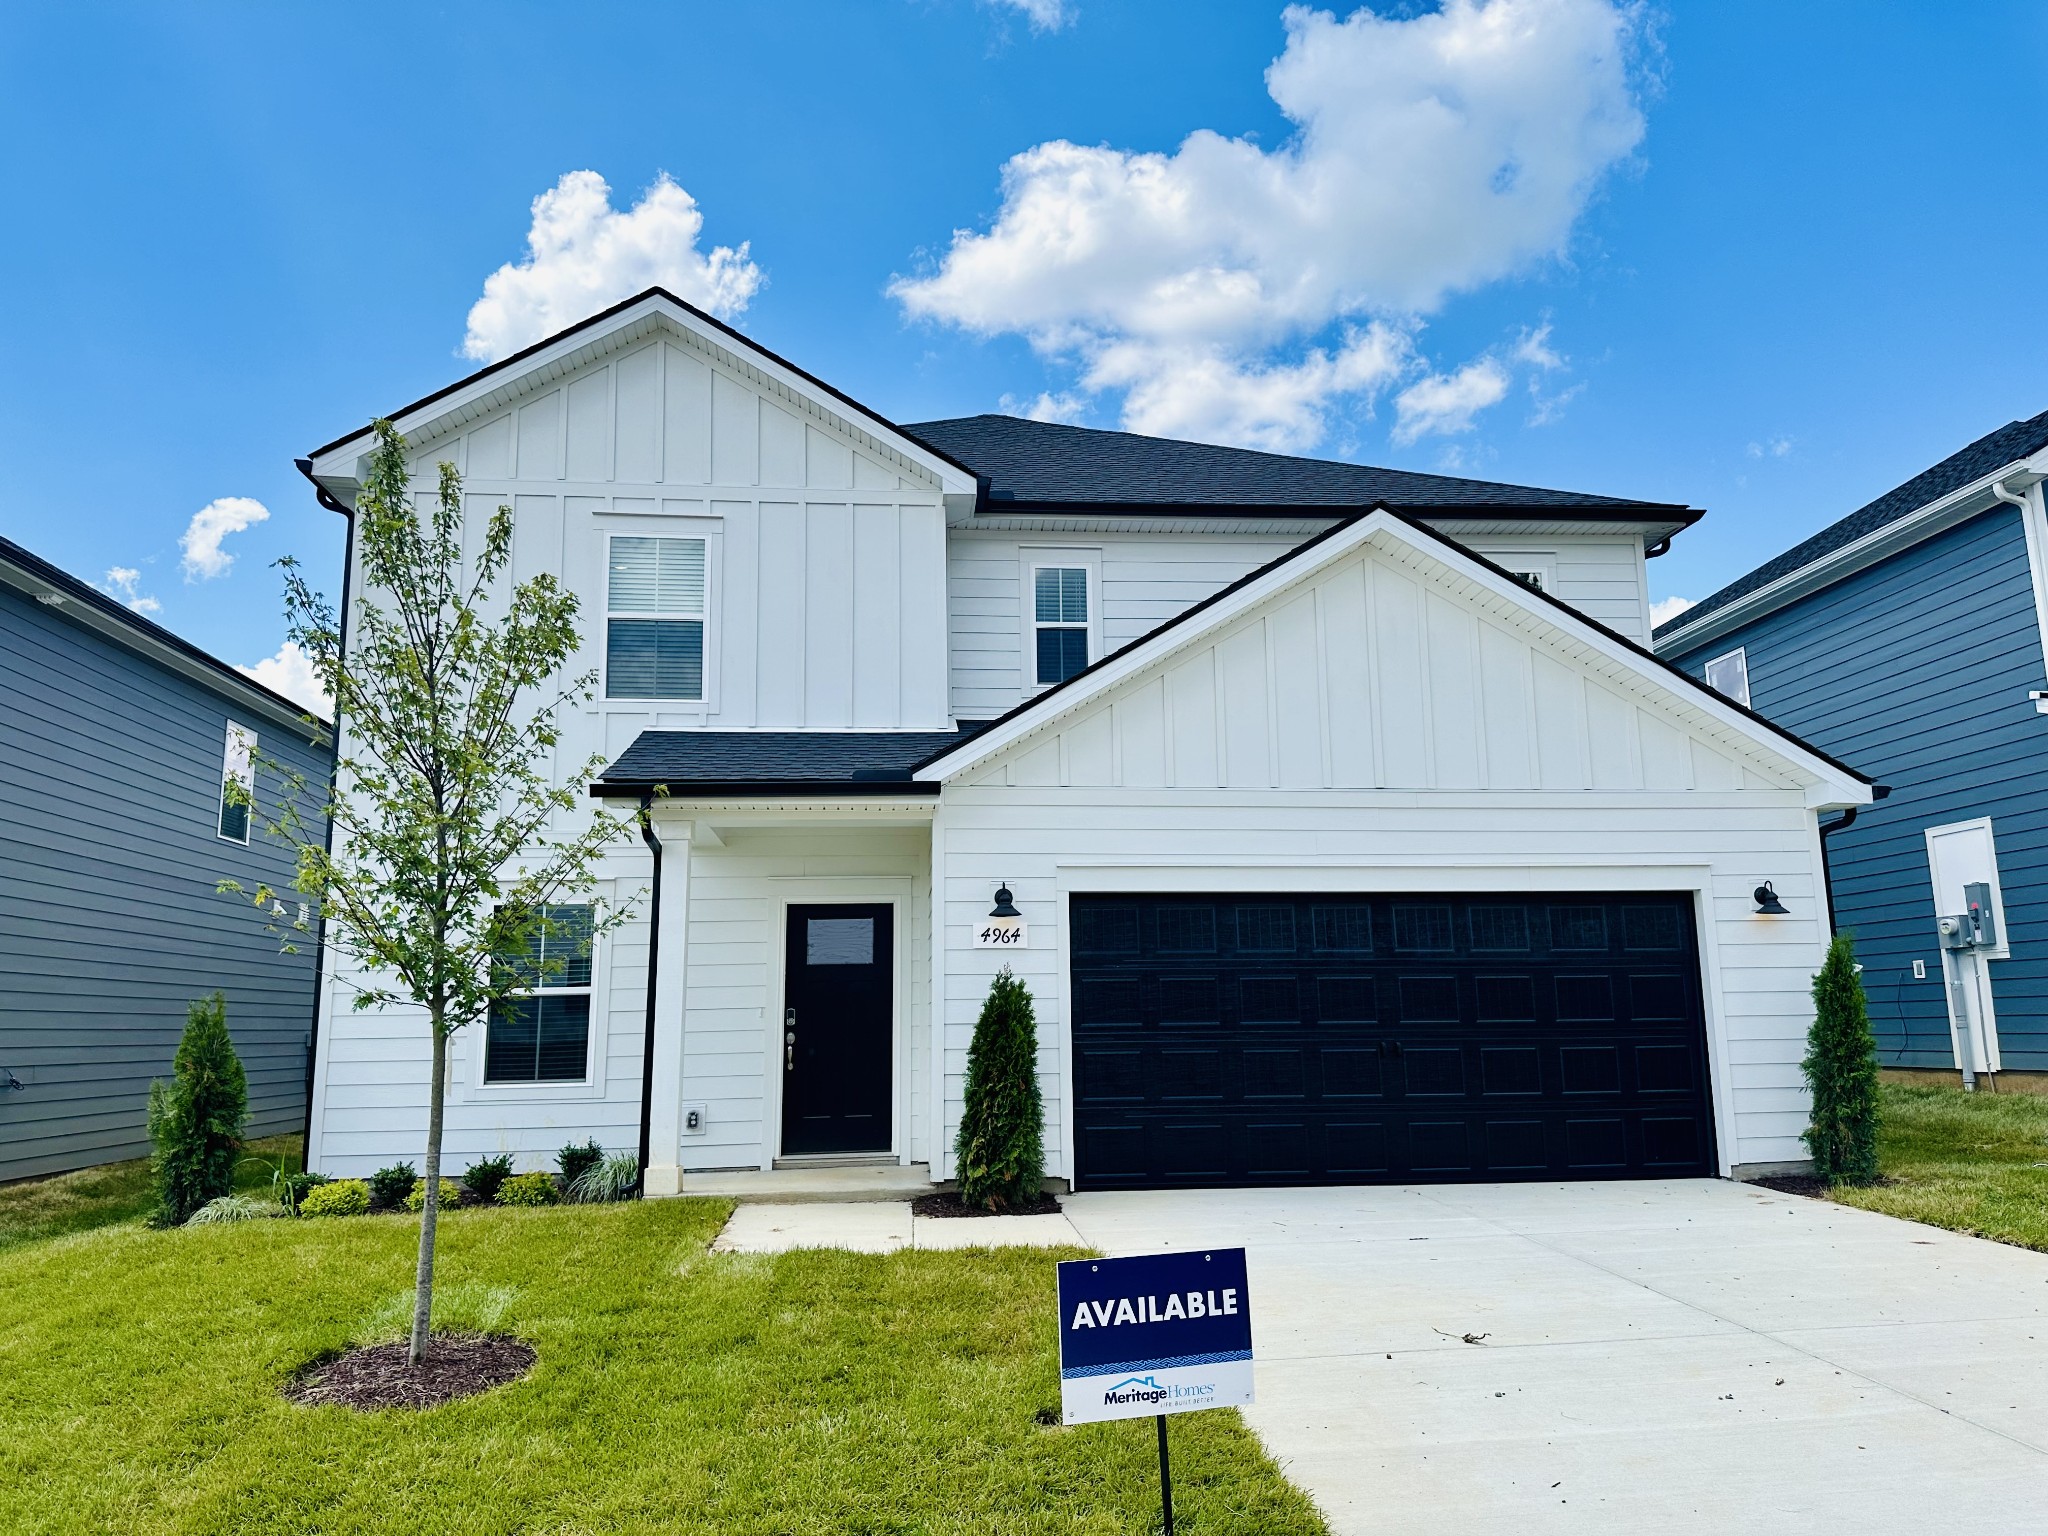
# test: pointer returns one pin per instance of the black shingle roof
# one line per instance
(765, 762)
(1037, 465)
(2015, 440)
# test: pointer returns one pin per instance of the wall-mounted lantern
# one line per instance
(1767, 901)
(1004, 927)
(1005, 904)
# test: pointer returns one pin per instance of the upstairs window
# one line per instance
(1527, 578)
(237, 783)
(544, 1037)
(654, 619)
(1060, 596)
(1729, 676)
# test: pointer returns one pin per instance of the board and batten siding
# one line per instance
(1147, 579)
(1373, 729)
(110, 921)
(1917, 670)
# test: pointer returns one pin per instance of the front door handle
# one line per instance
(789, 1040)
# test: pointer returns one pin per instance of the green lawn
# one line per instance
(1973, 1162)
(676, 1389)
(98, 1197)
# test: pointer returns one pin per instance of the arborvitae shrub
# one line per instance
(1000, 1151)
(196, 1119)
(1841, 1071)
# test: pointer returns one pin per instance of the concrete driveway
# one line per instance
(1687, 1356)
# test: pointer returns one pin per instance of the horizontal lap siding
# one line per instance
(110, 921)
(1758, 998)
(1917, 671)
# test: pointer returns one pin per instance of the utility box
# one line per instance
(1983, 920)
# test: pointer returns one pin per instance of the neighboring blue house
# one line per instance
(1908, 639)
(116, 740)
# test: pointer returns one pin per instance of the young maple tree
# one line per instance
(448, 841)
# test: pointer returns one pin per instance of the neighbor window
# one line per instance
(1528, 578)
(544, 1036)
(1729, 675)
(237, 783)
(654, 619)
(1060, 595)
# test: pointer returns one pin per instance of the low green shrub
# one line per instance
(389, 1186)
(292, 1188)
(575, 1161)
(337, 1197)
(534, 1188)
(416, 1197)
(613, 1179)
(485, 1175)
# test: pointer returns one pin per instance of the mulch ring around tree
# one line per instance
(381, 1375)
(948, 1203)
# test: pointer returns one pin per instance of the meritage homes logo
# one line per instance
(1144, 1389)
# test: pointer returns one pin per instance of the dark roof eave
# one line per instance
(1604, 512)
(762, 789)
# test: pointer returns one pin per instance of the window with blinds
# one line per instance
(654, 619)
(237, 783)
(1061, 597)
(544, 1035)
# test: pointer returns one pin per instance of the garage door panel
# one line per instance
(1222, 1040)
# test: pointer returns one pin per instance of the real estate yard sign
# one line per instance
(1161, 1333)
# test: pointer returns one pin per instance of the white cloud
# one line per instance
(123, 582)
(290, 672)
(1533, 347)
(1044, 15)
(1668, 608)
(1065, 406)
(583, 255)
(201, 540)
(1432, 155)
(1776, 447)
(1448, 402)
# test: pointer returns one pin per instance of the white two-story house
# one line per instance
(1351, 830)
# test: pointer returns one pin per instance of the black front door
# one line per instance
(836, 1025)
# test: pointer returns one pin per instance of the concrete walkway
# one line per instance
(882, 1226)
(1690, 1356)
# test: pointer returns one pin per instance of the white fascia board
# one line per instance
(1828, 787)
(338, 469)
(1902, 532)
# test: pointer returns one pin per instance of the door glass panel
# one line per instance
(839, 941)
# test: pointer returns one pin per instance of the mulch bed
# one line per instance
(381, 1376)
(947, 1203)
(1803, 1184)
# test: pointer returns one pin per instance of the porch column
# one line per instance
(664, 1088)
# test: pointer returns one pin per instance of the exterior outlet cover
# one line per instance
(1919, 970)
(694, 1118)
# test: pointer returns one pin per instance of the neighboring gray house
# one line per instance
(1909, 638)
(116, 739)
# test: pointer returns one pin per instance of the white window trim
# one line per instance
(713, 588)
(1739, 653)
(1032, 560)
(589, 1086)
(247, 775)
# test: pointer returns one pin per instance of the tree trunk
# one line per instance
(423, 1284)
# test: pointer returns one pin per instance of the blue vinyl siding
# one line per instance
(110, 922)
(1917, 671)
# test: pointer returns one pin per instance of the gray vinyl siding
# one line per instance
(1917, 671)
(109, 918)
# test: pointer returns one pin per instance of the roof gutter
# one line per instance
(653, 842)
(1827, 830)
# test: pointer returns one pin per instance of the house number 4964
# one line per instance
(1001, 933)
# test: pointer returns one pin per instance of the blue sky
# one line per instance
(1767, 259)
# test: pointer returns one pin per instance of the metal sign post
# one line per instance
(1149, 1336)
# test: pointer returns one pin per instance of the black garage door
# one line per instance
(1339, 1039)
